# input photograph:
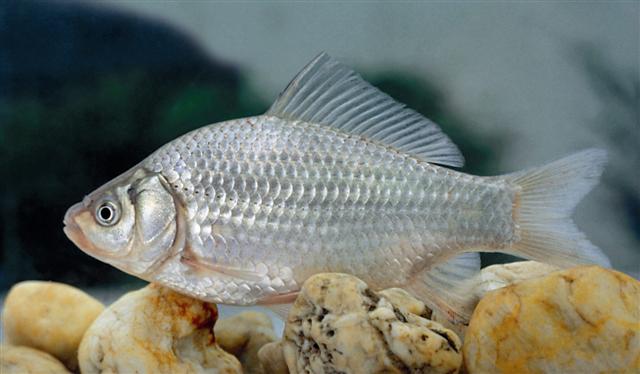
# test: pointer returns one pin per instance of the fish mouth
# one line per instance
(69, 216)
(73, 230)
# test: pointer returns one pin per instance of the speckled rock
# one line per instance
(405, 301)
(155, 330)
(337, 324)
(272, 358)
(580, 320)
(25, 360)
(243, 335)
(51, 317)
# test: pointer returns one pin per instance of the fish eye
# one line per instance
(107, 214)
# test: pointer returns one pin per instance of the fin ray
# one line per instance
(203, 265)
(548, 196)
(329, 93)
(447, 287)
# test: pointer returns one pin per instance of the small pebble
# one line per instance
(243, 335)
(25, 360)
(272, 358)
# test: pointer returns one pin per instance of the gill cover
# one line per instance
(155, 208)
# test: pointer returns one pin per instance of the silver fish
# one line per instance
(335, 177)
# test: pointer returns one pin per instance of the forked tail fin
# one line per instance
(547, 196)
(546, 201)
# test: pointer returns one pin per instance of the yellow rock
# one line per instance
(243, 335)
(337, 324)
(580, 320)
(494, 277)
(155, 330)
(25, 360)
(51, 317)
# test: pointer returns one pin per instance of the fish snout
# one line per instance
(71, 227)
(73, 230)
(69, 216)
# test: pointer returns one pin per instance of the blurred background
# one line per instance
(88, 89)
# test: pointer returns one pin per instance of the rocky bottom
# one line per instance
(531, 318)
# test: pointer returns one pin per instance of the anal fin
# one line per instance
(448, 287)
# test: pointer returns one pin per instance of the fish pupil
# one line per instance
(106, 213)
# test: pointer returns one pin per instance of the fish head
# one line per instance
(130, 223)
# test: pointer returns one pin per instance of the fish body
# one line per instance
(286, 200)
(336, 177)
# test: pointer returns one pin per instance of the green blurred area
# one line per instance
(57, 149)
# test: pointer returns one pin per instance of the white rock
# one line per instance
(243, 335)
(155, 330)
(272, 358)
(497, 276)
(494, 277)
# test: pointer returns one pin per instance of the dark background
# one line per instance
(87, 92)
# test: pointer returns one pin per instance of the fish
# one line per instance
(336, 176)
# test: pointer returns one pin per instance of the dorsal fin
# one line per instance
(329, 93)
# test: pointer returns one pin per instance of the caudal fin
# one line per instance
(548, 197)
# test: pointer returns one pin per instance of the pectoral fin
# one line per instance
(280, 304)
(288, 297)
(203, 265)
